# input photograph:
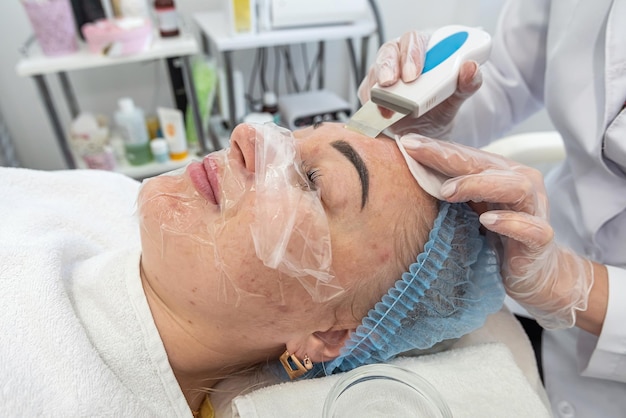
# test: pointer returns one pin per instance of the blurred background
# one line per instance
(25, 126)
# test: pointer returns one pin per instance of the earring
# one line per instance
(293, 366)
(308, 364)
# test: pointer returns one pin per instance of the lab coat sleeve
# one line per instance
(604, 357)
(513, 78)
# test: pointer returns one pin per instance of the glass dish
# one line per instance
(384, 390)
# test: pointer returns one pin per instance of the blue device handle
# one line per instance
(443, 50)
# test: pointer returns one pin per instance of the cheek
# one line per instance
(210, 251)
(383, 254)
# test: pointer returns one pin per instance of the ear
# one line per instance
(325, 345)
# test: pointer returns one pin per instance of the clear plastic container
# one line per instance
(384, 390)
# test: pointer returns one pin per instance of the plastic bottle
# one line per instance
(167, 18)
(160, 150)
(270, 105)
(131, 124)
(173, 130)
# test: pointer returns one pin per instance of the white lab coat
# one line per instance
(570, 55)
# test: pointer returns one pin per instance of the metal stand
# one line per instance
(42, 86)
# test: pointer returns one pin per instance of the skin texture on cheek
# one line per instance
(185, 235)
(384, 255)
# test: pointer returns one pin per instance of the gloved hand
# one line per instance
(550, 281)
(403, 59)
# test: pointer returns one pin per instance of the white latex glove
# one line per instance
(403, 59)
(550, 281)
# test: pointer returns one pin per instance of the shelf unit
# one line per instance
(38, 66)
(215, 31)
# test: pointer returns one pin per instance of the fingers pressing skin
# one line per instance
(451, 159)
(481, 176)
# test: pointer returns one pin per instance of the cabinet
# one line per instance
(38, 66)
(215, 31)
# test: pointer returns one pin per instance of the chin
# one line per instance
(170, 206)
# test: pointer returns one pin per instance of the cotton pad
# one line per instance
(428, 179)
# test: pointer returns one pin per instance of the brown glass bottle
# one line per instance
(167, 17)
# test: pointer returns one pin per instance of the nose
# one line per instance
(243, 142)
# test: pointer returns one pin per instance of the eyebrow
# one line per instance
(350, 153)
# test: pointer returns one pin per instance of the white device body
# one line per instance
(278, 14)
(436, 85)
(304, 109)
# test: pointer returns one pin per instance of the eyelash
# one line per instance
(311, 175)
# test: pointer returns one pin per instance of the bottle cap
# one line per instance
(126, 104)
(159, 146)
(269, 98)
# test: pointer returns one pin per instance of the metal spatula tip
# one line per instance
(362, 128)
(368, 120)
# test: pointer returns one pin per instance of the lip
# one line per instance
(203, 176)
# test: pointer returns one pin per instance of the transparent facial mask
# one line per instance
(287, 228)
(290, 231)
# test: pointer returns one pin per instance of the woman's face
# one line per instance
(198, 230)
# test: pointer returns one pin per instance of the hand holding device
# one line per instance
(411, 81)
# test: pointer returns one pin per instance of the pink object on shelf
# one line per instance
(53, 23)
(118, 37)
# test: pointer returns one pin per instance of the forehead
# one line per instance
(382, 149)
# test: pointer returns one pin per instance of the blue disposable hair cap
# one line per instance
(448, 292)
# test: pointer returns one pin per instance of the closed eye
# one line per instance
(312, 177)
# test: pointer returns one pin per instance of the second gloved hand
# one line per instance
(403, 59)
(550, 281)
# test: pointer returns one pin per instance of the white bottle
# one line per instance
(132, 127)
(270, 105)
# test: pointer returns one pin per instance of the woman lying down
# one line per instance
(316, 250)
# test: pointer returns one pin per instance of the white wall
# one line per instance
(98, 90)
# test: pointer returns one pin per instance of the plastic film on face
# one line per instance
(287, 231)
(291, 232)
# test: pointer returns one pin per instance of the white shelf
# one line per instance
(215, 26)
(37, 63)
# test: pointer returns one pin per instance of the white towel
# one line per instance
(76, 334)
(501, 330)
(476, 381)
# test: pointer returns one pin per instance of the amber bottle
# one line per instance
(167, 17)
